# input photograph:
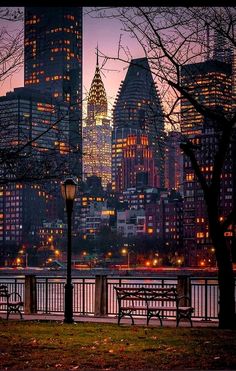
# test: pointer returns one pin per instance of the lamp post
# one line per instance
(68, 190)
(25, 254)
(26, 260)
(126, 251)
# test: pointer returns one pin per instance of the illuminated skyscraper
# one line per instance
(28, 116)
(173, 162)
(210, 83)
(137, 111)
(97, 132)
(53, 63)
(138, 164)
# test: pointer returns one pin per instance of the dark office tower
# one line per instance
(223, 48)
(224, 51)
(26, 116)
(137, 111)
(53, 63)
(173, 162)
(210, 83)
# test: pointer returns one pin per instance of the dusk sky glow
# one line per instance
(104, 32)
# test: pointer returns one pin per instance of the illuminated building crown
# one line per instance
(97, 99)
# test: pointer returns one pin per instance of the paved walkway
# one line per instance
(124, 321)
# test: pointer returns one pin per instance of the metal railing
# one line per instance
(205, 298)
(50, 293)
(14, 284)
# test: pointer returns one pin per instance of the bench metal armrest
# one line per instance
(179, 298)
(14, 296)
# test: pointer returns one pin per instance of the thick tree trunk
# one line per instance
(227, 316)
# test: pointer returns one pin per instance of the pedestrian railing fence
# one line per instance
(91, 296)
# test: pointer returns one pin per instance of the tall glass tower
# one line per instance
(53, 63)
(137, 111)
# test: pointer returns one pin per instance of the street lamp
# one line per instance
(126, 251)
(25, 254)
(68, 190)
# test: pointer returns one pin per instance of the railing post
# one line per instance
(206, 299)
(46, 295)
(184, 288)
(83, 296)
(30, 300)
(100, 295)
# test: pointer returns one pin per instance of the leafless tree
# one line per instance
(12, 14)
(171, 38)
(28, 153)
(11, 53)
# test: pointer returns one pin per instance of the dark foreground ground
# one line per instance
(28, 345)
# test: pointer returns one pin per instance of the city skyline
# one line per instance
(113, 72)
(84, 188)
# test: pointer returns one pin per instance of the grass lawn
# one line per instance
(26, 345)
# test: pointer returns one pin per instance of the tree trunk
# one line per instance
(227, 316)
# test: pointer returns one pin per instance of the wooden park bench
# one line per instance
(11, 301)
(154, 302)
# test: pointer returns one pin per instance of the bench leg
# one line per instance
(150, 315)
(122, 314)
(180, 316)
(19, 311)
(15, 310)
(119, 317)
(160, 319)
(177, 320)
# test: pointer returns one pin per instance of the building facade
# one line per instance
(27, 123)
(137, 111)
(131, 223)
(173, 162)
(210, 82)
(53, 64)
(18, 219)
(97, 133)
(138, 164)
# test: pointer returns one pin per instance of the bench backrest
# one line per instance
(161, 294)
(130, 293)
(4, 291)
(146, 294)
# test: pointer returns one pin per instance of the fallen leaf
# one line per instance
(122, 349)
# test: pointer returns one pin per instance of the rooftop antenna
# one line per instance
(97, 54)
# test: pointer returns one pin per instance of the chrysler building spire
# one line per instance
(97, 98)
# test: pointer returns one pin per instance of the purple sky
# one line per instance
(105, 32)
